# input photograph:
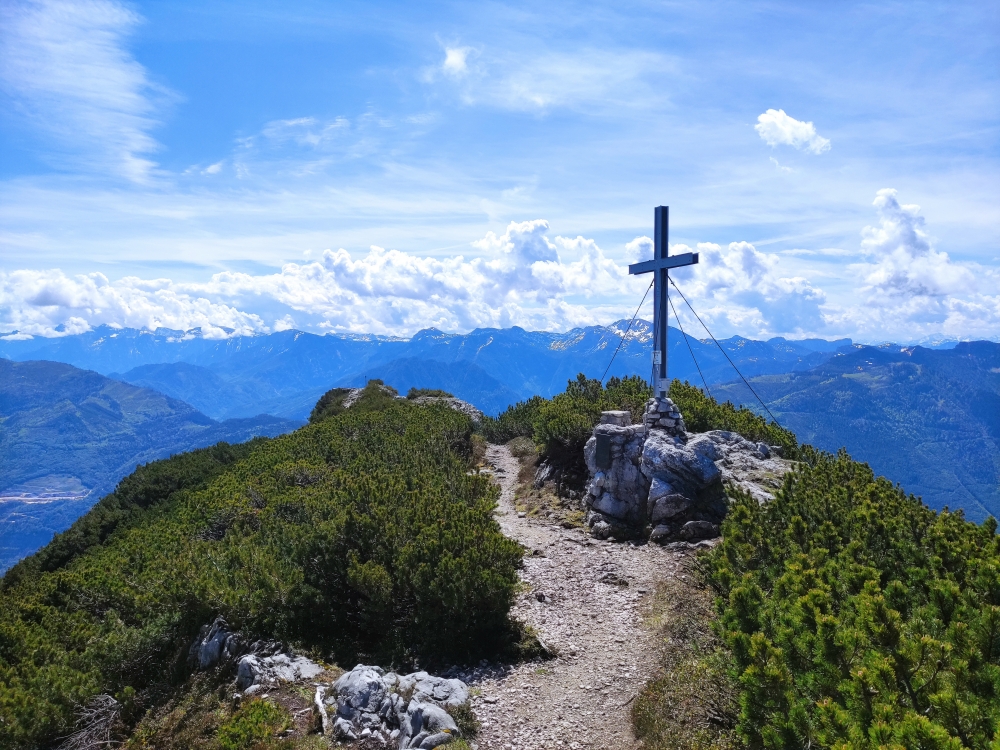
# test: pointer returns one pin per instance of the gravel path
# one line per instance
(584, 597)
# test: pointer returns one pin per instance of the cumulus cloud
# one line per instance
(66, 66)
(910, 290)
(743, 289)
(906, 289)
(904, 261)
(639, 249)
(50, 302)
(777, 128)
(521, 278)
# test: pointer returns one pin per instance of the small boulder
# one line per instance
(694, 531)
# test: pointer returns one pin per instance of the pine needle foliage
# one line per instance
(362, 536)
(857, 617)
(515, 421)
(703, 413)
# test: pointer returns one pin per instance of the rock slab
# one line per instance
(405, 711)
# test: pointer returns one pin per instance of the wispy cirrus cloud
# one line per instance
(66, 67)
(547, 79)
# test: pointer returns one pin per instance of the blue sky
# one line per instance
(386, 167)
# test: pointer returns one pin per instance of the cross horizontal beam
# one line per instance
(662, 264)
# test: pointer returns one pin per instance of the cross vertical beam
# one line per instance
(659, 266)
(661, 308)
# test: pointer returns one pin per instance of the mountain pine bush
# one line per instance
(363, 536)
(856, 617)
(515, 421)
(565, 422)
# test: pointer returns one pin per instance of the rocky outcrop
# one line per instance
(450, 401)
(215, 644)
(392, 710)
(408, 711)
(654, 478)
(255, 672)
(617, 490)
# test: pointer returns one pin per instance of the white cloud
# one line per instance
(905, 290)
(778, 128)
(780, 168)
(911, 290)
(904, 261)
(66, 66)
(523, 278)
(543, 80)
(49, 302)
(741, 288)
(641, 248)
(455, 60)
(213, 168)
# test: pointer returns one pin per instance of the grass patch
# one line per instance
(254, 725)
(691, 702)
(466, 720)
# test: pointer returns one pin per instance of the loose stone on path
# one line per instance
(584, 598)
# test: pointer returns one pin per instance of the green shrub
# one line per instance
(857, 617)
(703, 413)
(254, 723)
(330, 404)
(435, 392)
(563, 424)
(362, 535)
(515, 421)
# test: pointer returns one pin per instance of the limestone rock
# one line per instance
(271, 670)
(409, 709)
(662, 413)
(694, 531)
(215, 643)
(426, 687)
(657, 475)
(687, 468)
(618, 418)
(426, 726)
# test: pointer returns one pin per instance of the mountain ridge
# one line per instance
(284, 373)
(69, 435)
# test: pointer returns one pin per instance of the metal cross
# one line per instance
(659, 266)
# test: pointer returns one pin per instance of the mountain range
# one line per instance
(69, 435)
(924, 417)
(285, 373)
(929, 420)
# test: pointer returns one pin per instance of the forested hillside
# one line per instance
(929, 420)
(362, 536)
(69, 435)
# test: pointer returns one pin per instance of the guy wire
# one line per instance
(688, 342)
(726, 354)
(625, 334)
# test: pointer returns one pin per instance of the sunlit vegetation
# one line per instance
(857, 617)
(363, 536)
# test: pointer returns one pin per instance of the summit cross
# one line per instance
(659, 266)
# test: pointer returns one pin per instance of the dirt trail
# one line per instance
(577, 601)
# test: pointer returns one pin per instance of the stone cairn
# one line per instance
(653, 479)
(663, 414)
